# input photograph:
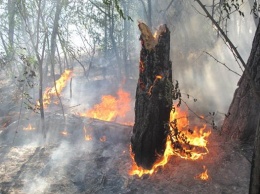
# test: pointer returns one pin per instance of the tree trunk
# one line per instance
(11, 22)
(126, 68)
(245, 107)
(153, 100)
(53, 46)
(255, 168)
(113, 41)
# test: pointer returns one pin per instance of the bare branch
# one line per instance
(98, 7)
(233, 49)
(222, 63)
(169, 5)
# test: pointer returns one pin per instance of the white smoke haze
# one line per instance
(72, 156)
(199, 74)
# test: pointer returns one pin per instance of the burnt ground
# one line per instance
(70, 164)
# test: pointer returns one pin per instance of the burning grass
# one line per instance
(29, 128)
(51, 92)
(186, 143)
(204, 175)
(110, 108)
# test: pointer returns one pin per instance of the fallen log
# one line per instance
(153, 97)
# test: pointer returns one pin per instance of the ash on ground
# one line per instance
(70, 163)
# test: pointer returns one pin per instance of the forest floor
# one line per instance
(66, 163)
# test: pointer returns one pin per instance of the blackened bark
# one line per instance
(153, 102)
(245, 107)
(255, 168)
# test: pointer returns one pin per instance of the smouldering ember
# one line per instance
(194, 150)
(65, 133)
(110, 108)
(204, 175)
(29, 128)
(51, 92)
(88, 137)
(103, 138)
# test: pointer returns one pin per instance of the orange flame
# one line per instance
(204, 175)
(65, 133)
(110, 107)
(139, 171)
(88, 137)
(198, 138)
(29, 128)
(158, 77)
(51, 92)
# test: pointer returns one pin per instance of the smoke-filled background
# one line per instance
(193, 35)
(41, 39)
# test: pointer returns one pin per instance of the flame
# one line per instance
(65, 133)
(197, 138)
(29, 128)
(139, 171)
(88, 137)
(51, 92)
(103, 138)
(204, 175)
(156, 34)
(110, 108)
(158, 77)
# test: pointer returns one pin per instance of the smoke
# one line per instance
(192, 35)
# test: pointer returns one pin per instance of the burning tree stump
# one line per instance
(153, 97)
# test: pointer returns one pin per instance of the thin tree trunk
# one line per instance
(59, 60)
(42, 124)
(11, 22)
(53, 46)
(3, 43)
(106, 37)
(126, 69)
(64, 51)
(213, 8)
(114, 45)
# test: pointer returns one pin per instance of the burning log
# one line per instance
(153, 97)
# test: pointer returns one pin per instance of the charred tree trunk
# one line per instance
(255, 168)
(153, 97)
(245, 107)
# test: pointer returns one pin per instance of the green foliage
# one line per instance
(118, 8)
(27, 80)
(255, 9)
(230, 6)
